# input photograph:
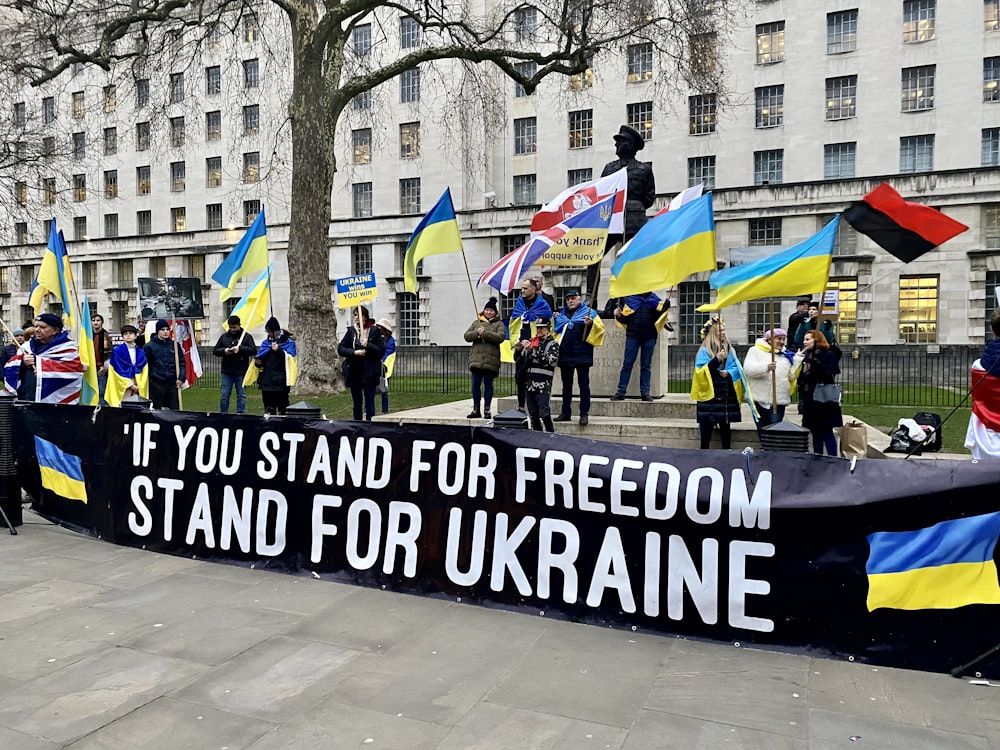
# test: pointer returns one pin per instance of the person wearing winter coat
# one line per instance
(486, 334)
(235, 348)
(362, 348)
(821, 365)
(540, 355)
(276, 366)
(643, 316)
(717, 385)
(769, 355)
(810, 325)
(578, 326)
(167, 371)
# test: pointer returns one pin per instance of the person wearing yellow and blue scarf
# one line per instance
(528, 310)
(579, 329)
(717, 385)
(643, 316)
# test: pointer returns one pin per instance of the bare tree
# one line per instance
(332, 62)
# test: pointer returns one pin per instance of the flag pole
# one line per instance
(177, 362)
(468, 277)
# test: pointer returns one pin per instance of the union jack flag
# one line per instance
(505, 273)
(58, 371)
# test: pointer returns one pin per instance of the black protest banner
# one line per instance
(784, 549)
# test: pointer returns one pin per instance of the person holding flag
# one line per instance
(235, 347)
(128, 370)
(249, 256)
(528, 310)
(579, 330)
(717, 384)
(47, 368)
(982, 437)
(276, 366)
(167, 370)
(643, 317)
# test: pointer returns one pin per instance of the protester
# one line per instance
(643, 316)
(486, 334)
(540, 355)
(529, 308)
(795, 321)
(762, 369)
(167, 370)
(235, 347)
(275, 377)
(716, 384)
(102, 353)
(128, 371)
(9, 350)
(362, 348)
(810, 325)
(46, 367)
(388, 359)
(540, 286)
(577, 325)
(982, 437)
(820, 366)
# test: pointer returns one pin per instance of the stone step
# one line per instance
(669, 406)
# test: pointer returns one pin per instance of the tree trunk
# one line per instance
(313, 167)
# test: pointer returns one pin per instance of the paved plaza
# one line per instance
(111, 647)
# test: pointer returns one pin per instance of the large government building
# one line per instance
(157, 173)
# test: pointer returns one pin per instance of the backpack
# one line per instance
(900, 442)
(933, 421)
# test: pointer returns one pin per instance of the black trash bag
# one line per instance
(932, 426)
(900, 442)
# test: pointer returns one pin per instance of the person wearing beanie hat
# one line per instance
(47, 367)
(9, 350)
(486, 334)
(771, 369)
(362, 349)
(272, 324)
(235, 347)
(275, 367)
(50, 320)
(167, 369)
(580, 328)
(388, 362)
(541, 355)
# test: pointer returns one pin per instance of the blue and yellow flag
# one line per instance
(61, 472)
(290, 360)
(436, 234)
(669, 248)
(249, 256)
(702, 388)
(945, 566)
(55, 277)
(801, 269)
(253, 306)
(89, 395)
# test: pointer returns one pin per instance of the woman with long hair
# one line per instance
(715, 384)
(362, 348)
(820, 366)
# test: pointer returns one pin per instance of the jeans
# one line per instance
(364, 394)
(825, 440)
(583, 376)
(102, 385)
(633, 347)
(482, 387)
(228, 382)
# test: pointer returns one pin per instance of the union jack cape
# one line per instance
(58, 371)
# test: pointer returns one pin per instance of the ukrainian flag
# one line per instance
(291, 362)
(61, 472)
(55, 277)
(702, 388)
(669, 248)
(945, 566)
(436, 234)
(253, 306)
(89, 393)
(801, 269)
(249, 256)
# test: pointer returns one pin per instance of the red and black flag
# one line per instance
(906, 230)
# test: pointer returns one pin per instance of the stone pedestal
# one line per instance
(608, 364)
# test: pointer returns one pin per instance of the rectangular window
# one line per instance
(847, 296)
(769, 106)
(362, 101)
(251, 209)
(251, 166)
(916, 153)
(525, 135)
(640, 62)
(20, 233)
(89, 273)
(110, 141)
(143, 222)
(841, 97)
(176, 88)
(838, 160)
(991, 227)
(110, 98)
(49, 190)
(28, 274)
(142, 136)
(361, 141)
(701, 171)
(691, 295)
(991, 147)
(408, 315)
(525, 24)
(213, 126)
(142, 180)
(213, 80)
(918, 309)
(251, 28)
(918, 20)
(251, 119)
(142, 92)
(992, 283)
(991, 15)
(769, 167)
(251, 76)
(758, 320)
(991, 76)
(111, 183)
(401, 259)
(110, 225)
(918, 88)
(361, 200)
(409, 33)
(361, 259)
(177, 132)
(770, 42)
(79, 105)
(21, 193)
(196, 266)
(581, 128)
(524, 189)
(576, 176)
(20, 115)
(640, 117)
(48, 110)
(702, 116)
(178, 219)
(409, 195)
(178, 173)
(48, 145)
(765, 233)
(528, 70)
(79, 188)
(841, 32)
(79, 146)
(362, 39)
(409, 85)
(213, 171)
(158, 267)
(704, 53)
(213, 216)
(846, 241)
(80, 228)
(409, 140)
(122, 273)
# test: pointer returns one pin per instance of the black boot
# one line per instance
(536, 424)
(487, 414)
(549, 427)
(474, 414)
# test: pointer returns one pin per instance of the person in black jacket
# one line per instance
(167, 371)
(362, 348)
(270, 360)
(236, 348)
(9, 350)
(576, 355)
(639, 313)
(821, 366)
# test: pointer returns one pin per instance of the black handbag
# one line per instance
(827, 393)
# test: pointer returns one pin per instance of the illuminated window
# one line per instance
(918, 309)
(918, 88)
(79, 188)
(702, 115)
(991, 17)
(769, 106)
(251, 28)
(991, 76)
(111, 183)
(918, 20)
(640, 62)
(49, 190)
(770, 42)
(110, 98)
(361, 142)
(847, 320)
(251, 166)
(142, 180)
(581, 128)
(178, 219)
(361, 199)
(701, 171)
(213, 126)
(640, 117)
(841, 97)
(79, 105)
(213, 171)
(21, 193)
(584, 80)
(409, 140)
(704, 53)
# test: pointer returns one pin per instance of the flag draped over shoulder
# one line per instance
(945, 566)
(575, 199)
(436, 234)
(253, 306)
(905, 230)
(122, 372)
(58, 372)
(702, 388)
(62, 473)
(982, 437)
(55, 277)
(670, 247)
(588, 226)
(801, 269)
(290, 359)
(594, 337)
(249, 256)
(89, 394)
